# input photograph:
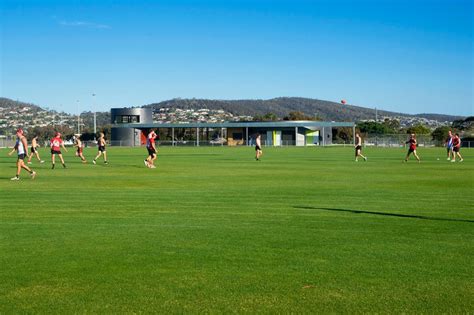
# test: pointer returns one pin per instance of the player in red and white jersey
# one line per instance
(21, 146)
(412, 148)
(151, 147)
(56, 144)
(456, 148)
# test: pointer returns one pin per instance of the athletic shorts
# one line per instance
(33, 150)
(55, 152)
(101, 148)
(151, 151)
(411, 150)
(79, 151)
(358, 148)
(21, 156)
(456, 149)
(258, 148)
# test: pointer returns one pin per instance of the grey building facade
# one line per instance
(131, 125)
(127, 116)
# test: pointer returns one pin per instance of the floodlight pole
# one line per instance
(60, 115)
(95, 113)
(78, 118)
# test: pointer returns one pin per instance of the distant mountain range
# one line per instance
(325, 110)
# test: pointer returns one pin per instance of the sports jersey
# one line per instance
(456, 142)
(412, 144)
(150, 141)
(20, 147)
(56, 143)
(449, 141)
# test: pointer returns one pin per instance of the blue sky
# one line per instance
(407, 56)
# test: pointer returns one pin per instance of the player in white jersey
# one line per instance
(258, 147)
(21, 146)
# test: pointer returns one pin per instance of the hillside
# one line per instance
(14, 114)
(281, 106)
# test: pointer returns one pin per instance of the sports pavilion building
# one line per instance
(131, 125)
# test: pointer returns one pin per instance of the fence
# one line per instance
(390, 141)
(398, 140)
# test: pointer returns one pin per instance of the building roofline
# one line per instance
(253, 124)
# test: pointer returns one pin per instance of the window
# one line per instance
(127, 119)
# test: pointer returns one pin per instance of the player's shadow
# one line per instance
(389, 214)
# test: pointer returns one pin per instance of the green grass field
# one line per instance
(211, 230)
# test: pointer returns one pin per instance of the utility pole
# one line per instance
(376, 116)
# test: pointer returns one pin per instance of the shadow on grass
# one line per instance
(400, 215)
(192, 154)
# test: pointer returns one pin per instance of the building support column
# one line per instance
(172, 136)
(354, 134)
(197, 136)
(324, 138)
(247, 135)
(222, 136)
(296, 136)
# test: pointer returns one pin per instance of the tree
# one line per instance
(266, 117)
(419, 130)
(373, 127)
(88, 136)
(440, 133)
(392, 124)
(465, 124)
(297, 115)
(47, 132)
(342, 133)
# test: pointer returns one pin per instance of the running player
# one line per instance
(101, 146)
(151, 147)
(21, 146)
(34, 150)
(358, 148)
(56, 143)
(412, 148)
(258, 147)
(456, 148)
(78, 144)
(449, 145)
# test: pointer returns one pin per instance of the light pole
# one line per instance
(95, 113)
(60, 114)
(78, 118)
